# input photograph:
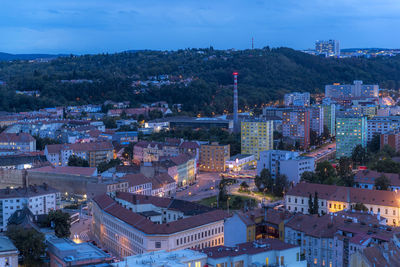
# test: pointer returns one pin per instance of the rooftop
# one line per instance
(6, 245)
(93, 146)
(30, 191)
(71, 170)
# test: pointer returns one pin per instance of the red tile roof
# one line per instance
(136, 179)
(181, 159)
(110, 206)
(189, 145)
(16, 137)
(369, 176)
(94, 146)
(346, 194)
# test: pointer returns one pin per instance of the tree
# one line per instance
(42, 142)
(310, 205)
(315, 203)
(359, 155)
(382, 183)
(77, 161)
(264, 181)
(326, 173)
(280, 185)
(344, 166)
(309, 177)
(29, 242)
(360, 207)
(326, 133)
(61, 222)
(375, 144)
(244, 186)
(103, 166)
(386, 165)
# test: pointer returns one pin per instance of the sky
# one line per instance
(108, 26)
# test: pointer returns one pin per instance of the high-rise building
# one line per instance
(355, 90)
(296, 126)
(350, 132)
(382, 125)
(297, 99)
(330, 118)
(317, 119)
(329, 48)
(256, 136)
(213, 157)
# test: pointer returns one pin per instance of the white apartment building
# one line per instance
(382, 125)
(128, 224)
(297, 99)
(289, 163)
(39, 199)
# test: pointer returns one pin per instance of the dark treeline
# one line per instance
(264, 75)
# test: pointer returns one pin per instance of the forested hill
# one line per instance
(201, 80)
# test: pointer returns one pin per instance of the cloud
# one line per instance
(90, 26)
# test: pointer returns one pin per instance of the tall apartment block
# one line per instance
(355, 90)
(256, 136)
(317, 119)
(350, 132)
(296, 126)
(297, 99)
(381, 125)
(329, 48)
(213, 157)
(330, 118)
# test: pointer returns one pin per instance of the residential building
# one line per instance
(125, 138)
(145, 151)
(138, 184)
(213, 157)
(8, 252)
(162, 258)
(382, 125)
(330, 118)
(391, 139)
(256, 136)
(95, 153)
(328, 48)
(296, 126)
(317, 119)
(377, 255)
(332, 198)
(185, 169)
(240, 162)
(128, 224)
(350, 132)
(64, 252)
(348, 91)
(366, 179)
(297, 99)
(263, 252)
(331, 239)
(18, 142)
(39, 199)
(289, 163)
(239, 228)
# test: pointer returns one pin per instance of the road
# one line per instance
(323, 153)
(80, 231)
(206, 186)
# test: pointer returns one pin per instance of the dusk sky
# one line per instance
(96, 26)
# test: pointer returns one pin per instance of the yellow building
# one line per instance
(213, 157)
(256, 136)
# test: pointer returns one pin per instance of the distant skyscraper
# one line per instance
(328, 48)
(355, 90)
(297, 99)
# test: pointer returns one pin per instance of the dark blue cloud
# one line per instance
(91, 26)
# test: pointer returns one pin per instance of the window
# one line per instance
(157, 244)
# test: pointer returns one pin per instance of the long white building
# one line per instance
(127, 224)
(382, 125)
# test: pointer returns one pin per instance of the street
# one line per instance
(80, 231)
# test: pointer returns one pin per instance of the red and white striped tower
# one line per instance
(236, 127)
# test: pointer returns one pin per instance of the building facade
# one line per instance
(355, 90)
(296, 126)
(382, 125)
(350, 132)
(328, 48)
(213, 157)
(297, 99)
(391, 139)
(130, 224)
(256, 136)
(18, 142)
